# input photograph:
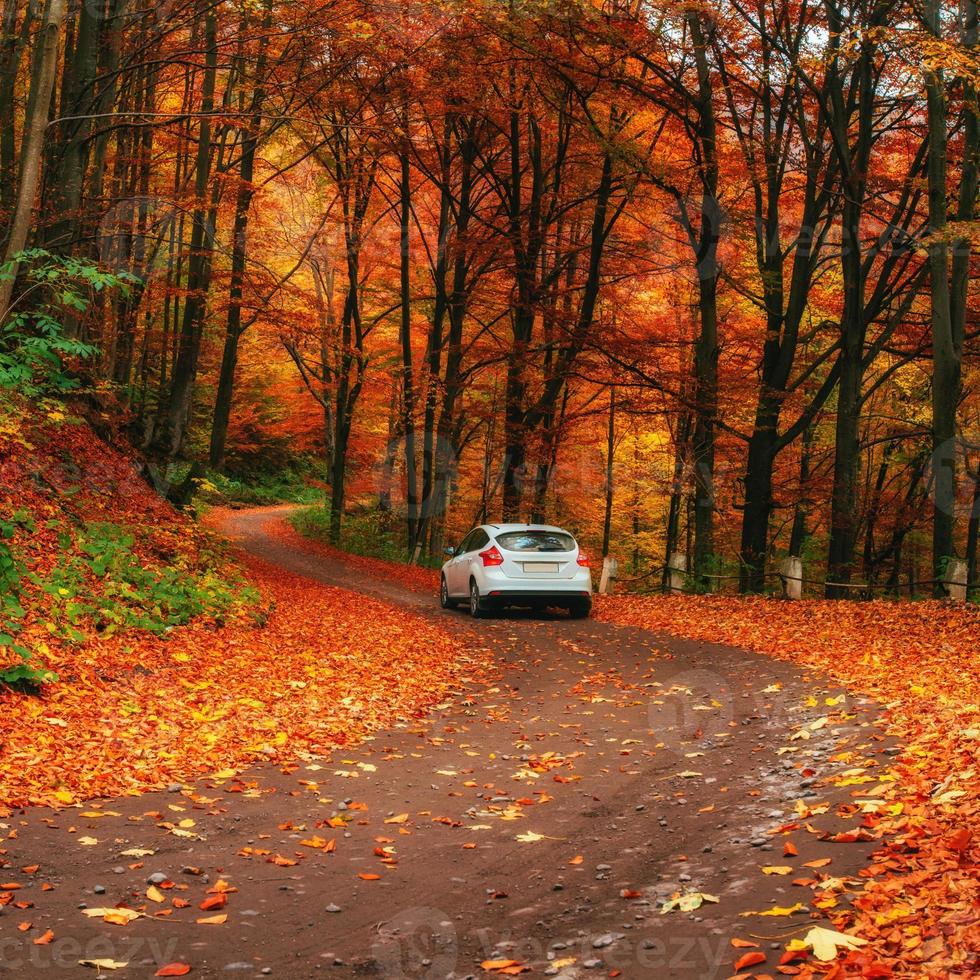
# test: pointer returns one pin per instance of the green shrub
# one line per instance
(131, 594)
(26, 673)
(289, 486)
(33, 343)
(372, 533)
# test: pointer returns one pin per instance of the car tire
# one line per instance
(477, 609)
(580, 609)
(445, 600)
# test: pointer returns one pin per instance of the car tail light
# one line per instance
(583, 559)
(491, 557)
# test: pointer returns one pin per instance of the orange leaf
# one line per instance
(173, 970)
(750, 959)
(213, 902)
(45, 939)
(744, 944)
(369, 877)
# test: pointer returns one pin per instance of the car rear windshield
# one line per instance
(536, 541)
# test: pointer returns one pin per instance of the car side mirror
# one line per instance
(450, 551)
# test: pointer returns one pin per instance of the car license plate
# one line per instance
(540, 566)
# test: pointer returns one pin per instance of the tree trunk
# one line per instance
(610, 446)
(853, 142)
(66, 173)
(198, 265)
(706, 347)
(42, 84)
(758, 499)
(946, 345)
(13, 42)
(672, 535)
(801, 531)
(233, 327)
(407, 372)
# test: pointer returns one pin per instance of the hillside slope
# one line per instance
(138, 651)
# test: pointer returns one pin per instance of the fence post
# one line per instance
(954, 580)
(791, 575)
(678, 572)
(610, 569)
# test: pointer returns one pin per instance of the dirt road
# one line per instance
(543, 817)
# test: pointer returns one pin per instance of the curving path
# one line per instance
(542, 817)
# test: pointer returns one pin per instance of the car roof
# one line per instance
(504, 528)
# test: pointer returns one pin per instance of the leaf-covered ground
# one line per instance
(175, 659)
(919, 903)
(169, 664)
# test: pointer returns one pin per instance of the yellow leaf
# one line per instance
(213, 920)
(530, 837)
(825, 943)
(777, 869)
(115, 916)
(155, 895)
(104, 964)
(776, 910)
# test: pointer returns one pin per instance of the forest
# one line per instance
(691, 279)
(295, 293)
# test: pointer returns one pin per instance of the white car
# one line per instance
(498, 565)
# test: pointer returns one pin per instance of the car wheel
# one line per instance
(477, 609)
(444, 598)
(580, 609)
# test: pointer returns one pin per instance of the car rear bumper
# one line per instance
(496, 597)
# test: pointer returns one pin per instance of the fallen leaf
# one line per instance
(687, 903)
(825, 943)
(749, 959)
(115, 916)
(776, 910)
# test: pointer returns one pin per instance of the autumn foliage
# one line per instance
(437, 247)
